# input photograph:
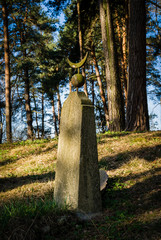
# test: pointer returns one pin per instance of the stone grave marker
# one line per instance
(77, 181)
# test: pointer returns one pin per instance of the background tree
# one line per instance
(115, 98)
(137, 112)
(7, 71)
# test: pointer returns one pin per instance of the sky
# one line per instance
(155, 108)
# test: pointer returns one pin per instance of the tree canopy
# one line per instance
(38, 74)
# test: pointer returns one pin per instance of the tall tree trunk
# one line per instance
(124, 50)
(70, 84)
(122, 45)
(92, 82)
(81, 44)
(27, 104)
(42, 113)
(59, 105)
(27, 91)
(137, 111)
(36, 117)
(100, 84)
(114, 93)
(1, 126)
(7, 72)
(54, 116)
(102, 118)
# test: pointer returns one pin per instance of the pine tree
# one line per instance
(137, 112)
(115, 98)
(7, 71)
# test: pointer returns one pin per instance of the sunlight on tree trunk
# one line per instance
(114, 93)
(137, 111)
(7, 72)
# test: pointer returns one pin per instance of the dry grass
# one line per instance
(131, 203)
(27, 170)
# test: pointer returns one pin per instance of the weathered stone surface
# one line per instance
(103, 179)
(77, 180)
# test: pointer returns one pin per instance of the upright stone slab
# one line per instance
(77, 181)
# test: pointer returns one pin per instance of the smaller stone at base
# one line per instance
(103, 179)
(87, 216)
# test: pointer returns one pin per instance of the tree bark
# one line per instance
(137, 111)
(7, 72)
(114, 93)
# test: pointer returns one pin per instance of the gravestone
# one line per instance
(77, 181)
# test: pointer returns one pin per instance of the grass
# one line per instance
(131, 202)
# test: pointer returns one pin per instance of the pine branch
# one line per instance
(155, 4)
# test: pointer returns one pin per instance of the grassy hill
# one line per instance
(131, 202)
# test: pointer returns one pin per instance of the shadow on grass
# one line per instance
(14, 182)
(101, 137)
(135, 212)
(14, 159)
(117, 160)
(8, 161)
(128, 213)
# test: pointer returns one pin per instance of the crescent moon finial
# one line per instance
(79, 64)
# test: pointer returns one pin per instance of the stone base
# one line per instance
(77, 181)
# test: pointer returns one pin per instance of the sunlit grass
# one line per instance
(131, 205)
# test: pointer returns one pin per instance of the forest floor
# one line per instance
(131, 201)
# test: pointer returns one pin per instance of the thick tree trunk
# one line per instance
(7, 72)
(100, 85)
(114, 93)
(54, 116)
(137, 111)
(81, 44)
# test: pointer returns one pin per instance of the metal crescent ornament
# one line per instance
(78, 79)
(79, 64)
